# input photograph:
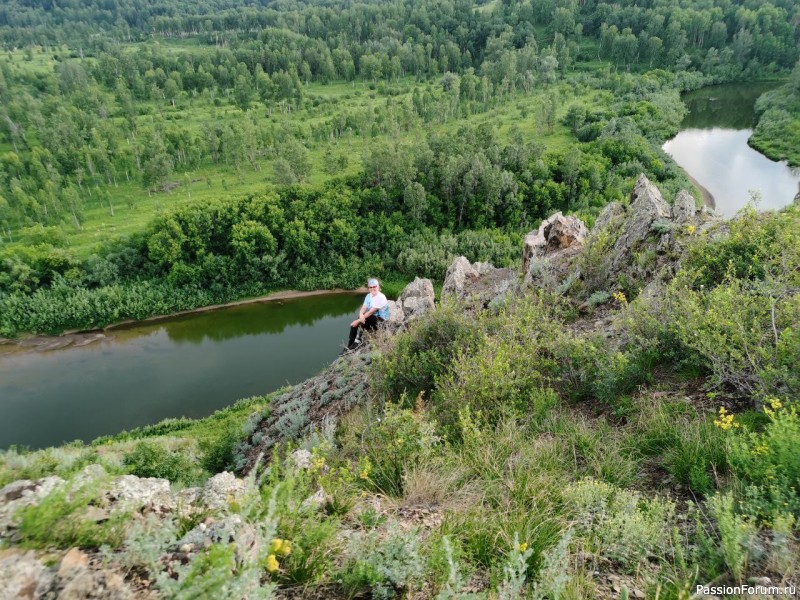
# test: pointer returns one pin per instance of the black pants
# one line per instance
(371, 324)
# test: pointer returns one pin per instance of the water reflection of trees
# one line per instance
(727, 106)
(258, 319)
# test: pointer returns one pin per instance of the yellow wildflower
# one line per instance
(272, 563)
(522, 547)
(620, 297)
(279, 546)
(364, 474)
(690, 229)
(725, 419)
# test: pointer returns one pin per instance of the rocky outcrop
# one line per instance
(637, 240)
(684, 207)
(416, 299)
(317, 403)
(20, 494)
(548, 253)
(221, 490)
(480, 283)
(459, 275)
(25, 576)
(610, 213)
(647, 206)
(129, 492)
(555, 235)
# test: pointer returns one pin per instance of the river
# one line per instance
(187, 366)
(712, 148)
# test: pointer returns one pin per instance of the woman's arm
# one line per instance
(365, 314)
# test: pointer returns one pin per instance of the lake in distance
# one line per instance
(712, 148)
(188, 366)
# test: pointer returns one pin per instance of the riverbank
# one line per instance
(79, 338)
(708, 197)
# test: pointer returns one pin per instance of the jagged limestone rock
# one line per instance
(548, 253)
(132, 492)
(222, 489)
(481, 283)
(684, 207)
(73, 560)
(229, 530)
(555, 234)
(19, 494)
(647, 206)
(313, 404)
(23, 576)
(459, 274)
(609, 214)
(416, 299)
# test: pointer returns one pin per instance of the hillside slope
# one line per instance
(617, 421)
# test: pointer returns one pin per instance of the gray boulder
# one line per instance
(416, 299)
(647, 206)
(23, 576)
(481, 283)
(610, 213)
(229, 530)
(221, 490)
(459, 274)
(554, 235)
(684, 207)
(132, 492)
(19, 494)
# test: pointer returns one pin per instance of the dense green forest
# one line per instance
(126, 125)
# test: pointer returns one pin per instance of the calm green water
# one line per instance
(713, 149)
(188, 366)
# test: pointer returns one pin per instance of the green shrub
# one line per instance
(418, 357)
(747, 251)
(217, 453)
(619, 524)
(149, 459)
(767, 463)
(312, 553)
(396, 443)
(591, 367)
(745, 333)
(510, 370)
(736, 534)
(388, 563)
(597, 298)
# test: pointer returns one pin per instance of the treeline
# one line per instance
(200, 255)
(432, 36)
(777, 133)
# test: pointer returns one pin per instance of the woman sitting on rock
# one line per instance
(373, 313)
